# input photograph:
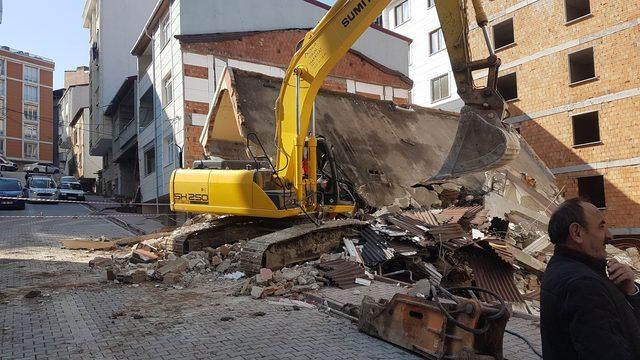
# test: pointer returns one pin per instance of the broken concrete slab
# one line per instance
(99, 261)
(291, 302)
(178, 265)
(144, 255)
(87, 245)
(224, 266)
(257, 292)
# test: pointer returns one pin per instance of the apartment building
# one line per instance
(185, 46)
(74, 98)
(26, 106)
(429, 66)
(114, 26)
(570, 76)
(83, 165)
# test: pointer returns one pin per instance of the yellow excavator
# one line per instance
(288, 186)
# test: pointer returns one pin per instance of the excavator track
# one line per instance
(295, 244)
(228, 230)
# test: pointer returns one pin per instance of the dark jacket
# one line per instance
(583, 314)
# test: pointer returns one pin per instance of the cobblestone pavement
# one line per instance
(81, 316)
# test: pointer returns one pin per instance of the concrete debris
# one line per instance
(234, 275)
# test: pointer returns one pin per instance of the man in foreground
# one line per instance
(590, 307)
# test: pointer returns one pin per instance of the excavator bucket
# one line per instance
(482, 142)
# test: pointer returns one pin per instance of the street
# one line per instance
(81, 315)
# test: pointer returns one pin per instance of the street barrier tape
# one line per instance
(2, 217)
(80, 202)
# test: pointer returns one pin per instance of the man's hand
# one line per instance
(622, 276)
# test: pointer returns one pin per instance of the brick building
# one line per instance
(570, 75)
(186, 45)
(26, 106)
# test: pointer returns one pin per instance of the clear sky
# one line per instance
(49, 28)
(58, 35)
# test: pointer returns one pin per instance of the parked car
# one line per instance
(41, 167)
(70, 190)
(68, 179)
(7, 165)
(41, 187)
(12, 188)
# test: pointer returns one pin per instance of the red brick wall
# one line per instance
(14, 108)
(14, 70)
(195, 107)
(192, 149)
(276, 48)
(46, 117)
(196, 71)
(46, 152)
(14, 148)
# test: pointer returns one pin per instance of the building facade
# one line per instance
(186, 45)
(74, 98)
(114, 26)
(429, 66)
(83, 165)
(574, 93)
(26, 106)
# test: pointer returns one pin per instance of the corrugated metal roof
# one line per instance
(426, 217)
(492, 273)
(415, 227)
(341, 272)
(454, 214)
(447, 232)
(375, 250)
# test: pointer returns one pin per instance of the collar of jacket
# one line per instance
(597, 265)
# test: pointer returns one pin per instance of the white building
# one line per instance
(173, 102)
(74, 99)
(114, 26)
(86, 166)
(429, 66)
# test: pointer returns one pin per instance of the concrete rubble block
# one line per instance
(216, 260)
(224, 266)
(99, 261)
(178, 265)
(403, 202)
(302, 280)
(451, 187)
(264, 276)
(224, 250)
(273, 290)
(425, 197)
(139, 276)
(257, 292)
(144, 255)
(290, 274)
(172, 278)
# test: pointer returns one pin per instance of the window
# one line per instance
(3, 116)
(581, 65)
(439, 88)
(576, 9)
(3, 92)
(503, 34)
(431, 3)
(436, 41)
(2, 71)
(592, 189)
(31, 74)
(508, 86)
(165, 31)
(30, 131)
(168, 155)
(586, 129)
(30, 93)
(167, 90)
(30, 150)
(30, 112)
(149, 159)
(146, 108)
(2, 146)
(402, 13)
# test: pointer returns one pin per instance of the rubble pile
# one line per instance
(286, 282)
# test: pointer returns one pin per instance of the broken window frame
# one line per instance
(516, 86)
(433, 81)
(440, 41)
(577, 18)
(573, 82)
(499, 26)
(582, 191)
(575, 119)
